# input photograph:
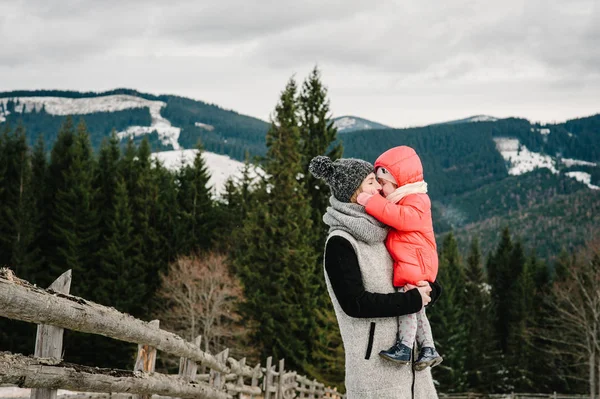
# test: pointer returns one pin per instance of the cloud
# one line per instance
(521, 38)
(376, 57)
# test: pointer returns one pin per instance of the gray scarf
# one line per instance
(353, 219)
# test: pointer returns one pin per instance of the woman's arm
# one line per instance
(341, 265)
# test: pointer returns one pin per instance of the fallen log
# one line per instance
(28, 372)
(20, 300)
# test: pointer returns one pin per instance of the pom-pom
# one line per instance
(321, 167)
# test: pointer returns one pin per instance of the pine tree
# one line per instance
(74, 229)
(73, 225)
(500, 279)
(197, 216)
(35, 258)
(448, 319)
(319, 137)
(118, 282)
(520, 347)
(16, 228)
(166, 220)
(4, 232)
(512, 290)
(233, 208)
(152, 196)
(15, 197)
(274, 256)
(119, 259)
(106, 178)
(543, 375)
(481, 362)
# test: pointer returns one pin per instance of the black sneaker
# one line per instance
(399, 353)
(428, 357)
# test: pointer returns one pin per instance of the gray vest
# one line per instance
(368, 376)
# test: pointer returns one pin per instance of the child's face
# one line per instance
(387, 187)
(370, 185)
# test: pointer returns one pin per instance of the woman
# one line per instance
(358, 273)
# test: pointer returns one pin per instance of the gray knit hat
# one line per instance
(344, 176)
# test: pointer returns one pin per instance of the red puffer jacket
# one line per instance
(411, 241)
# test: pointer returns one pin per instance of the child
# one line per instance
(406, 208)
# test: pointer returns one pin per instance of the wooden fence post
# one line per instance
(280, 381)
(255, 375)
(240, 380)
(188, 367)
(146, 357)
(268, 378)
(49, 339)
(217, 379)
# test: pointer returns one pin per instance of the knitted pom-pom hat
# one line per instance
(344, 176)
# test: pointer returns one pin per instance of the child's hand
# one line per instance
(363, 198)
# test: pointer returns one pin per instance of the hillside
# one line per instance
(566, 222)
(508, 197)
(481, 171)
(171, 122)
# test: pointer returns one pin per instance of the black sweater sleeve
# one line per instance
(341, 265)
(436, 291)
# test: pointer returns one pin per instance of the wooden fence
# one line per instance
(53, 309)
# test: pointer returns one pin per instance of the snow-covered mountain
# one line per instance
(170, 122)
(175, 124)
(471, 119)
(346, 124)
(110, 103)
(220, 167)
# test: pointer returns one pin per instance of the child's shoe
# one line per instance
(428, 357)
(399, 353)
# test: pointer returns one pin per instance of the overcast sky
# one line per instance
(402, 63)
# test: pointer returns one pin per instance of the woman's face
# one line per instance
(370, 185)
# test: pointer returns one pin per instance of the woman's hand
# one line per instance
(424, 291)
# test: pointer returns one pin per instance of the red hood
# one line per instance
(403, 163)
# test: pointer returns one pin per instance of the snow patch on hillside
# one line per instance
(482, 118)
(220, 167)
(543, 132)
(167, 133)
(520, 159)
(583, 177)
(210, 128)
(570, 162)
(345, 123)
